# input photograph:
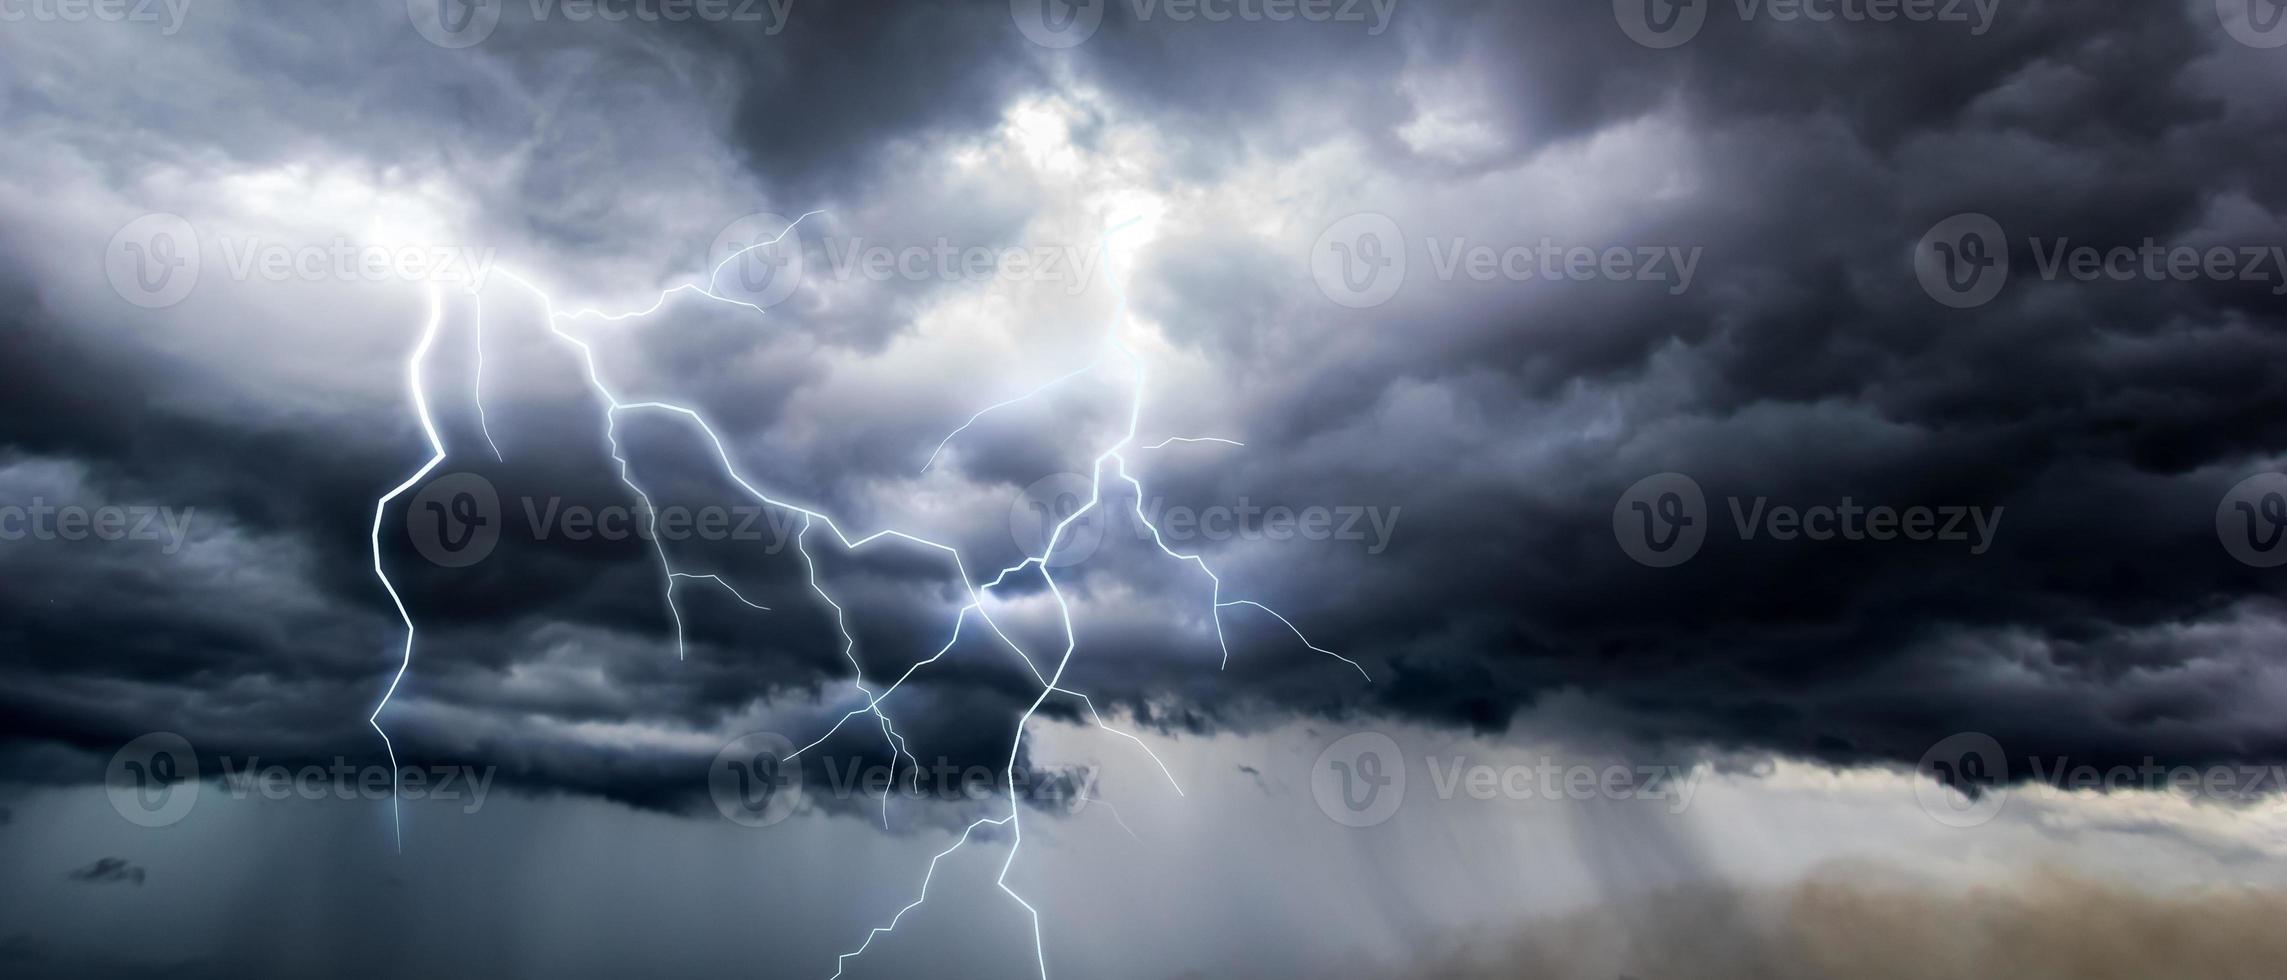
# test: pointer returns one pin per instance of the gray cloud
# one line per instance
(109, 871)
(1859, 921)
(1502, 420)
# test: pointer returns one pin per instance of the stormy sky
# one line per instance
(1784, 394)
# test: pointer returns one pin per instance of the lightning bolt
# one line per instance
(1110, 458)
(1162, 444)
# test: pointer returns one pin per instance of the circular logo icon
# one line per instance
(757, 260)
(1662, 520)
(1660, 23)
(1964, 261)
(1057, 23)
(455, 520)
(153, 781)
(2255, 23)
(1045, 509)
(454, 23)
(2253, 518)
(753, 782)
(1360, 261)
(1960, 780)
(153, 261)
(1360, 780)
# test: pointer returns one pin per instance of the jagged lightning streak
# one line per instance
(477, 328)
(1162, 444)
(1051, 683)
(380, 509)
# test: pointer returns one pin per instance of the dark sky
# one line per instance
(1481, 433)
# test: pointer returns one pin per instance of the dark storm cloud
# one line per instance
(1806, 366)
(109, 871)
(846, 84)
(1504, 420)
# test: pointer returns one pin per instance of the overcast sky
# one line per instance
(1790, 408)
